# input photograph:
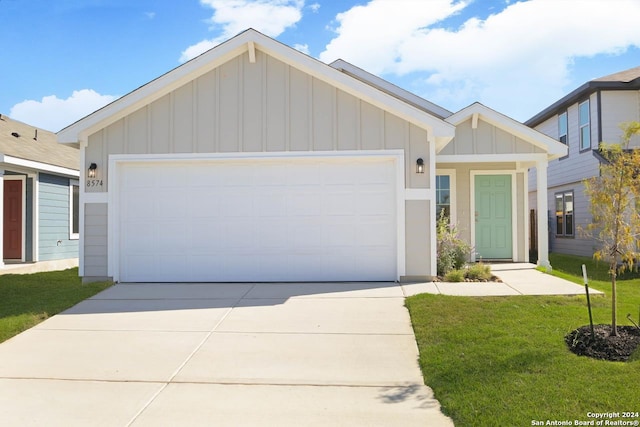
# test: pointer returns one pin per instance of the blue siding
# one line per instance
(54, 219)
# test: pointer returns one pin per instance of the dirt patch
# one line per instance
(604, 346)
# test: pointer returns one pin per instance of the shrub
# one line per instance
(478, 271)
(453, 252)
(454, 276)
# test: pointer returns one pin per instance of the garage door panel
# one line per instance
(271, 204)
(374, 203)
(138, 205)
(264, 220)
(304, 202)
(340, 202)
(273, 234)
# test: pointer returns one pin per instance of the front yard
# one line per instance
(503, 360)
(28, 299)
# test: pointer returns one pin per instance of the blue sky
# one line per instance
(62, 59)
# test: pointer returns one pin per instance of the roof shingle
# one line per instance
(35, 144)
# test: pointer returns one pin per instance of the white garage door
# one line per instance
(288, 219)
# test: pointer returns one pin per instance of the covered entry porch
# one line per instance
(482, 181)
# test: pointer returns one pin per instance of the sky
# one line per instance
(60, 60)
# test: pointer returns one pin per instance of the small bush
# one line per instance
(454, 276)
(453, 252)
(478, 271)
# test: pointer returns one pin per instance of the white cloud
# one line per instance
(150, 15)
(314, 7)
(53, 113)
(503, 61)
(270, 17)
(304, 48)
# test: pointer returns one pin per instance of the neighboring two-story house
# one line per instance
(582, 119)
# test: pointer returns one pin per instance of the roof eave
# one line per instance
(553, 148)
(581, 92)
(226, 51)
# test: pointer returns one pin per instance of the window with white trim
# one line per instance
(564, 214)
(585, 127)
(443, 195)
(562, 127)
(74, 209)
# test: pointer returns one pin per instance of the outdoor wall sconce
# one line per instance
(92, 170)
(420, 166)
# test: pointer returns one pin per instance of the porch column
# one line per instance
(543, 226)
(2, 216)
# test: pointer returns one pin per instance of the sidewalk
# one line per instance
(517, 279)
(38, 267)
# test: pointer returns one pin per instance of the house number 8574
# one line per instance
(94, 183)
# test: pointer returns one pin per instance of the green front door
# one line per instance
(493, 217)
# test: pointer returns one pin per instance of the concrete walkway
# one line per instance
(517, 279)
(307, 354)
(340, 354)
(38, 267)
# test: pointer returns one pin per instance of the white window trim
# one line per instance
(566, 130)
(587, 125)
(72, 235)
(22, 178)
(452, 192)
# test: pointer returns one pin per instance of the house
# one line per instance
(40, 196)
(582, 119)
(256, 162)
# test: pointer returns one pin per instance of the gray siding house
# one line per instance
(256, 162)
(582, 119)
(39, 195)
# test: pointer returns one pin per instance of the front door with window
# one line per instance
(493, 216)
(12, 233)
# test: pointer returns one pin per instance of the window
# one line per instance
(74, 209)
(443, 195)
(585, 128)
(562, 127)
(564, 213)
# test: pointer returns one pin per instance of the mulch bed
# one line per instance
(604, 346)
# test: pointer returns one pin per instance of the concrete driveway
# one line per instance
(221, 354)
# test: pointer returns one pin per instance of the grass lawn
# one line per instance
(28, 299)
(496, 361)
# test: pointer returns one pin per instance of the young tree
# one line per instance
(615, 206)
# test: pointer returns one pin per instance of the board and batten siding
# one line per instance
(486, 139)
(53, 221)
(267, 106)
(261, 107)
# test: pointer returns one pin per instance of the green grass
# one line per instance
(28, 299)
(503, 361)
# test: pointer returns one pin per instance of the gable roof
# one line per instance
(248, 41)
(390, 88)
(33, 144)
(555, 149)
(623, 80)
